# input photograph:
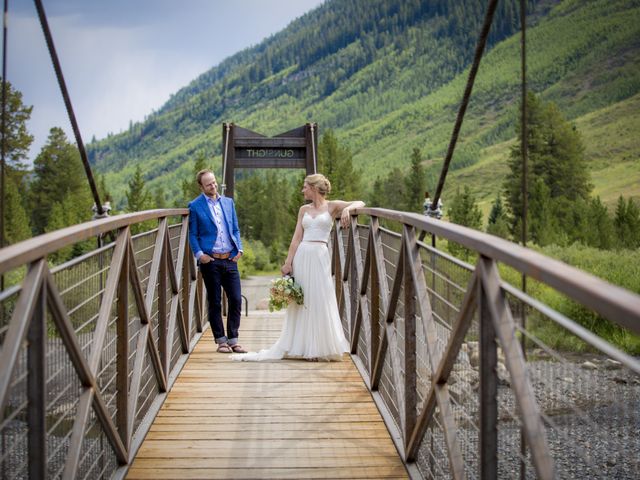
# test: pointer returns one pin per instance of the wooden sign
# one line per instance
(242, 148)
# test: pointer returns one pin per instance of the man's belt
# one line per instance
(220, 256)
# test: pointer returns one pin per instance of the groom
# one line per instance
(215, 240)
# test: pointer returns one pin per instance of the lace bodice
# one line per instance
(318, 228)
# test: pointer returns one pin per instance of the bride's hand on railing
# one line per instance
(344, 217)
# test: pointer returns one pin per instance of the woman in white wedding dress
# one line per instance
(312, 331)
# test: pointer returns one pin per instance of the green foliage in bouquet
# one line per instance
(283, 292)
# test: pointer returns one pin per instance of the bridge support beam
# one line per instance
(488, 390)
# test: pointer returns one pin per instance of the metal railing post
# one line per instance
(488, 411)
(36, 388)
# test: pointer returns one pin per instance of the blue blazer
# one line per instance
(202, 227)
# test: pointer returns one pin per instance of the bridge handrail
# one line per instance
(611, 301)
(106, 335)
(40, 246)
(453, 366)
(409, 367)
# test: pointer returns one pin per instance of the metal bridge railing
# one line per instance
(439, 343)
(90, 347)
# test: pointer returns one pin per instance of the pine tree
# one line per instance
(58, 173)
(137, 195)
(556, 158)
(159, 199)
(498, 222)
(543, 224)
(58, 219)
(17, 138)
(70, 210)
(378, 195)
(464, 211)
(296, 200)
(276, 217)
(600, 229)
(190, 188)
(627, 223)
(386, 192)
(336, 163)
(250, 202)
(105, 194)
(415, 183)
(16, 222)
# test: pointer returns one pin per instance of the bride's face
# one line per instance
(308, 191)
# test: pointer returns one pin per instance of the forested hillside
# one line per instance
(387, 76)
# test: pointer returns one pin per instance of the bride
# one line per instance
(312, 331)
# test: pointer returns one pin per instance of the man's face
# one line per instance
(208, 185)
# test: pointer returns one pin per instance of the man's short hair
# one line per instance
(201, 173)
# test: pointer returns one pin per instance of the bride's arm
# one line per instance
(343, 209)
(287, 268)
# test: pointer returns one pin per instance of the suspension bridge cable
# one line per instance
(3, 127)
(227, 127)
(524, 136)
(67, 103)
(313, 149)
(482, 41)
(524, 147)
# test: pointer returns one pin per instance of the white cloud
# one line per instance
(122, 60)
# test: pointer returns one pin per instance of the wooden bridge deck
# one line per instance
(288, 419)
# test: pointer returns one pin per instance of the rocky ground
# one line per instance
(591, 411)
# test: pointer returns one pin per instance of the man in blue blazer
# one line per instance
(214, 237)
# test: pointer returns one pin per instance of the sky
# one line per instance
(122, 59)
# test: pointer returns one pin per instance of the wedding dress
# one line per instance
(312, 330)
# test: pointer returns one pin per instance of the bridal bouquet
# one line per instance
(284, 291)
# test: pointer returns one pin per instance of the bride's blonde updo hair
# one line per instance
(319, 182)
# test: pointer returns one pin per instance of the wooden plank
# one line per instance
(312, 429)
(354, 397)
(285, 419)
(298, 435)
(214, 472)
(263, 419)
(245, 408)
(210, 461)
(335, 408)
(373, 445)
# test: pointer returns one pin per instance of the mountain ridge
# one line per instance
(381, 109)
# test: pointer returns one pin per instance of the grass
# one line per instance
(611, 149)
(620, 268)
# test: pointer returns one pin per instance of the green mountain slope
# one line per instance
(387, 76)
(612, 149)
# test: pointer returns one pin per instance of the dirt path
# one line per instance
(256, 289)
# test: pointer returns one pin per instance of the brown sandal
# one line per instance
(224, 348)
(237, 348)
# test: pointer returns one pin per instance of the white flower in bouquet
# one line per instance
(284, 291)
